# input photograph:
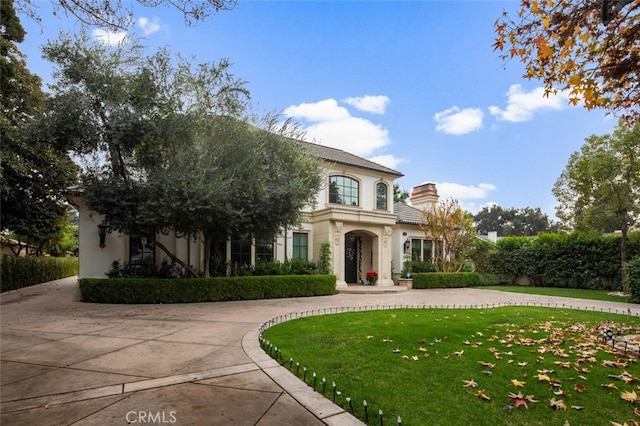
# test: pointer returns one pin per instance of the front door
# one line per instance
(351, 258)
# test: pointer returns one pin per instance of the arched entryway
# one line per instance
(359, 255)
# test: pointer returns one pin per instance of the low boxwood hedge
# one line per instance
(141, 290)
(452, 279)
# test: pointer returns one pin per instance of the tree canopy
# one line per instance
(170, 147)
(447, 222)
(119, 13)
(590, 48)
(35, 171)
(599, 188)
(512, 222)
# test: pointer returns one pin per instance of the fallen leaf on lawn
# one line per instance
(480, 394)
(577, 407)
(467, 342)
(487, 373)
(459, 353)
(517, 383)
(486, 364)
(519, 399)
(629, 396)
(414, 357)
(560, 392)
(557, 404)
(543, 377)
(470, 383)
(385, 340)
(369, 337)
(563, 364)
(421, 349)
(610, 386)
(395, 351)
(405, 356)
(523, 364)
(579, 388)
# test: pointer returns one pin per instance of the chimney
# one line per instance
(424, 196)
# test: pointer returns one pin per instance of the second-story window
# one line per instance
(381, 196)
(344, 190)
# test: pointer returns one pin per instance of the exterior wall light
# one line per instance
(102, 233)
(407, 245)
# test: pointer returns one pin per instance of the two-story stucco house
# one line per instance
(355, 213)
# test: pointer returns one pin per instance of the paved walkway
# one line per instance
(65, 362)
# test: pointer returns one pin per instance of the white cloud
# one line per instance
(333, 125)
(111, 38)
(327, 110)
(464, 192)
(456, 121)
(388, 160)
(148, 26)
(522, 105)
(368, 103)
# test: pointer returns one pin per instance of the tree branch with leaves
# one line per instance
(448, 224)
(590, 48)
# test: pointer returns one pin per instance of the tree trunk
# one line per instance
(173, 257)
(623, 257)
(207, 255)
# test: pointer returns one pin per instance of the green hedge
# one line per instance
(140, 290)
(452, 279)
(19, 272)
(576, 260)
(632, 268)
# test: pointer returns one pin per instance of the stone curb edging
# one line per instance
(321, 407)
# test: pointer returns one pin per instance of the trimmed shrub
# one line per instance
(137, 290)
(452, 280)
(19, 272)
(632, 268)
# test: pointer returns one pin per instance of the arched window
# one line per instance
(344, 190)
(381, 196)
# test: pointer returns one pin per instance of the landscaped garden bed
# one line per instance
(509, 366)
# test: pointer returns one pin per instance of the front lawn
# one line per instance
(561, 292)
(495, 366)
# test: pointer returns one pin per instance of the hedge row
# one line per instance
(19, 272)
(139, 290)
(577, 260)
(452, 280)
(633, 277)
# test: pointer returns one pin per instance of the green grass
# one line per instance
(356, 351)
(561, 292)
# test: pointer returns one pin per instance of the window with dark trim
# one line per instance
(142, 250)
(381, 196)
(241, 251)
(300, 245)
(344, 190)
(421, 249)
(264, 250)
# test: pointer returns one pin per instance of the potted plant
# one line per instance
(372, 277)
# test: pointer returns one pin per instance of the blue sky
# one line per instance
(413, 85)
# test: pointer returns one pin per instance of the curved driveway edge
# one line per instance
(67, 362)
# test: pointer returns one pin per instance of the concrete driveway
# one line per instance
(66, 362)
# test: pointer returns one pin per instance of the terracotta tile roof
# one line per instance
(339, 156)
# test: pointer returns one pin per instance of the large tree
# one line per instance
(512, 222)
(35, 171)
(589, 47)
(173, 146)
(599, 188)
(118, 14)
(447, 223)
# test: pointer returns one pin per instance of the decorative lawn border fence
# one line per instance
(363, 409)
